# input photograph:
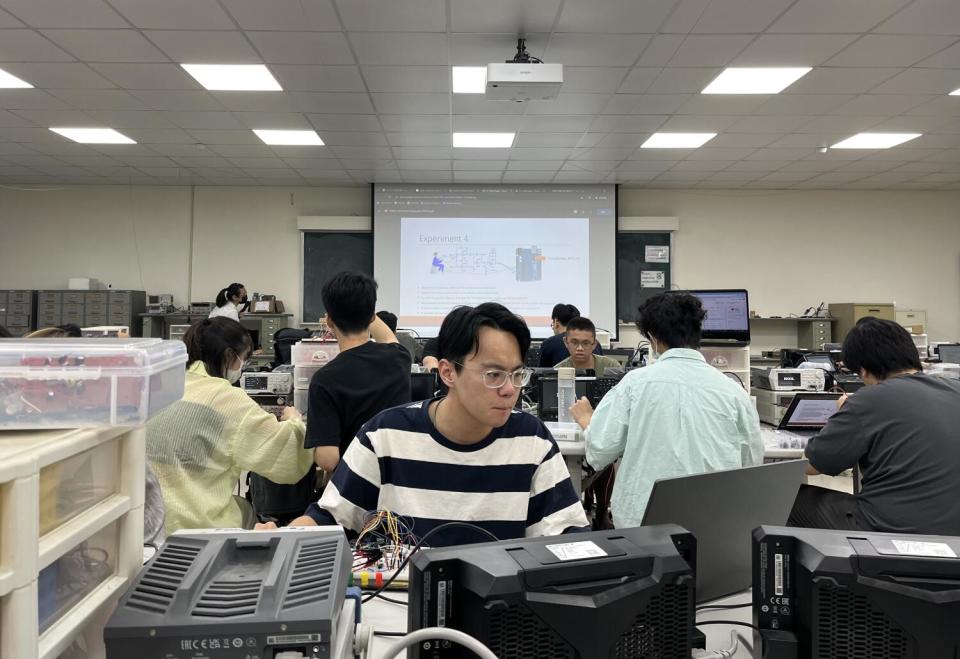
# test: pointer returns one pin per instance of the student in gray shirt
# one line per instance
(902, 429)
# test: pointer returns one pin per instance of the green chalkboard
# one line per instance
(631, 263)
(325, 253)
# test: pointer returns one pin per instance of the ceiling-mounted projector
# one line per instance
(524, 78)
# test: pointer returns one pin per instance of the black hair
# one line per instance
(226, 293)
(675, 319)
(5, 333)
(350, 298)
(209, 340)
(563, 313)
(460, 331)
(72, 330)
(880, 347)
(582, 324)
(389, 319)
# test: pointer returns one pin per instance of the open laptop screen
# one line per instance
(809, 412)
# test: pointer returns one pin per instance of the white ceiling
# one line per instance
(373, 78)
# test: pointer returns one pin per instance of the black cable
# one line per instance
(397, 634)
(735, 623)
(416, 548)
(393, 601)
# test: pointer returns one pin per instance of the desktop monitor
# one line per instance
(617, 593)
(809, 411)
(728, 316)
(547, 396)
(844, 594)
(949, 353)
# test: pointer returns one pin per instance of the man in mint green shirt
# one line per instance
(677, 417)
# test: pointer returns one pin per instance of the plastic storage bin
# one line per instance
(58, 383)
(302, 376)
(313, 353)
(70, 486)
(301, 400)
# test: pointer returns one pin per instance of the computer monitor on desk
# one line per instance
(949, 353)
(728, 316)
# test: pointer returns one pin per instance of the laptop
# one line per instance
(808, 413)
(721, 509)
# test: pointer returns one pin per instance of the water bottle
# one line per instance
(566, 393)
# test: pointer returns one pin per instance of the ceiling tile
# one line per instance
(945, 106)
(99, 99)
(502, 16)
(533, 140)
(257, 101)
(479, 165)
(588, 50)
(555, 124)
(627, 123)
(374, 152)
(11, 119)
(605, 154)
(694, 123)
(30, 99)
(879, 104)
(56, 13)
(925, 17)
(423, 152)
(61, 75)
(331, 138)
(28, 46)
(722, 104)
(407, 78)
(428, 165)
(593, 79)
(757, 165)
(388, 15)
(175, 14)
(131, 118)
(45, 118)
(7, 20)
(206, 120)
(792, 49)
(534, 165)
(411, 103)
(839, 124)
(283, 14)
(388, 48)
(813, 104)
(159, 135)
(476, 104)
(147, 76)
(640, 79)
(826, 16)
(890, 50)
(274, 120)
(418, 139)
(485, 124)
(701, 165)
(682, 80)
(661, 50)
(613, 16)
(302, 47)
(645, 103)
(841, 80)
(348, 122)
(104, 45)
(421, 123)
(709, 50)
(739, 16)
(921, 81)
(178, 100)
(743, 140)
(212, 136)
(204, 47)
(570, 103)
(768, 153)
(769, 124)
(711, 152)
(477, 177)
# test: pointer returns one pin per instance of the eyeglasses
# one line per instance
(495, 378)
(586, 345)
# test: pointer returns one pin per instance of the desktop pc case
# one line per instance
(624, 594)
(850, 595)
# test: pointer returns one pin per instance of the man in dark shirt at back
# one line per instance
(553, 350)
(366, 378)
(903, 429)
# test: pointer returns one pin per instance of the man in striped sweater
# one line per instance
(466, 457)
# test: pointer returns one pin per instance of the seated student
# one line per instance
(677, 417)
(431, 354)
(389, 319)
(467, 457)
(230, 302)
(365, 378)
(553, 350)
(902, 429)
(581, 339)
(199, 445)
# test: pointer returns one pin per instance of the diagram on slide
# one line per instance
(528, 264)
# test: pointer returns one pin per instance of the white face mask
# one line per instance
(233, 375)
(654, 353)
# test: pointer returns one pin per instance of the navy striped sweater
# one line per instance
(514, 483)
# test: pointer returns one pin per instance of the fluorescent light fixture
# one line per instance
(765, 80)
(955, 92)
(93, 135)
(875, 140)
(289, 137)
(483, 140)
(10, 81)
(234, 77)
(469, 79)
(677, 140)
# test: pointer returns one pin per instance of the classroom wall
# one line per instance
(791, 249)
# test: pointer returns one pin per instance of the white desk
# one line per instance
(385, 616)
(573, 453)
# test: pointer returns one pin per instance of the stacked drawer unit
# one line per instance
(17, 311)
(91, 308)
(270, 325)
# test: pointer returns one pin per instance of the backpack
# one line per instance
(283, 341)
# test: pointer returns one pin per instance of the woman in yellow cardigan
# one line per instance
(200, 444)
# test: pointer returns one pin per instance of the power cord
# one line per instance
(446, 525)
(736, 640)
(444, 634)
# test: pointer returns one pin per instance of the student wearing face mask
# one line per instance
(230, 302)
(677, 417)
(199, 445)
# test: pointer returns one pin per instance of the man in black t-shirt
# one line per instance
(554, 350)
(901, 429)
(366, 378)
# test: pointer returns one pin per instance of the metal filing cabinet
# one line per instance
(48, 308)
(91, 308)
(125, 308)
(914, 320)
(813, 334)
(18, 311)
(848, 313)
(95, 309)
